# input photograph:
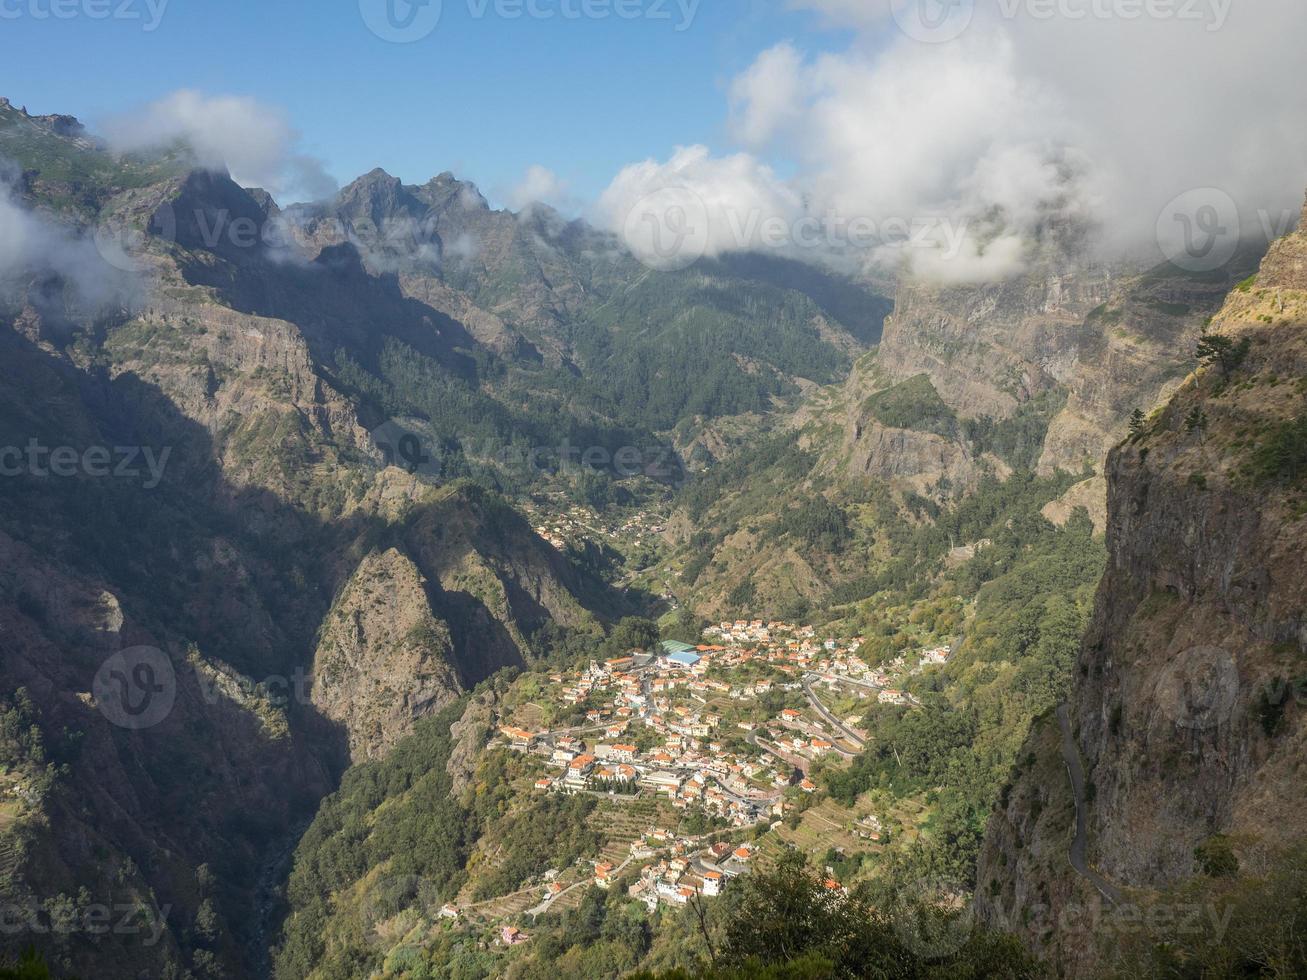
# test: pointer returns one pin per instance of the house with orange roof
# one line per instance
(578, 771)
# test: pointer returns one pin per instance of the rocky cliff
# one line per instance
(1043, 370)
(227, 545)
(1039, 373)
(383, 659)
(1185, 707)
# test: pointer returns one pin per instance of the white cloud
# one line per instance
(253, 141)
(539, 185)
(695, 204)
(32, 247)
(1022, 123)
(768, 96)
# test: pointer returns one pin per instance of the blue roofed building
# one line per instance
(677, 654)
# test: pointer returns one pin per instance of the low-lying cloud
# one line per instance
(51, 264)
(1039, 121)
(539, 185)
(720, 203)
(254, 142)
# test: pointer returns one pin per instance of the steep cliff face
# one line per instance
(143, 786)
(1131, 353)
(1186, 702)
(251, 538)
(898, 430)
(495, 582)
(988, 348)
(1058, 358)
(383, 660)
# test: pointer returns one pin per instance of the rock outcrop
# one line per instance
(989, 348)
(1185, 707)
(1066, 351)
(384, 660)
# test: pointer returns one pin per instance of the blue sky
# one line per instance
(1005, 114)
(483, 96)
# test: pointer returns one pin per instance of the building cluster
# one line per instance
(787, 647)
(688, 767)
(656, 721)
(563, 523)
(684, 872)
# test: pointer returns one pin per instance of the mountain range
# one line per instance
(316, 454)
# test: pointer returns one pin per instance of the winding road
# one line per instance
(1079, 845)
(838, 725)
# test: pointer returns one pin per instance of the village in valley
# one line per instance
(564, 524)
(732, 729)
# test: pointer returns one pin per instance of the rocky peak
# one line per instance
(59, 125)
(266, 202)
(374, 199)
(375, 181)
(445, 190)
(208, 210)
(1285, 266)
(384, 659)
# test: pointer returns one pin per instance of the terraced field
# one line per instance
(632, 818)
(504, 907)
(823, 827)
(621, 823)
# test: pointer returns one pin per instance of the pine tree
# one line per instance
(1216, 349)
(1196, 421)
(1138, 424)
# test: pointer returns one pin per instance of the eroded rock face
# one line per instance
(1089, 495)
(470, 734)
(1182, 708)
(1104, 341)
(908, 457)
(384, 659)
(987, 348)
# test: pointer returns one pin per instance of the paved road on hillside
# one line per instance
(1079, 845)
(835, 722)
